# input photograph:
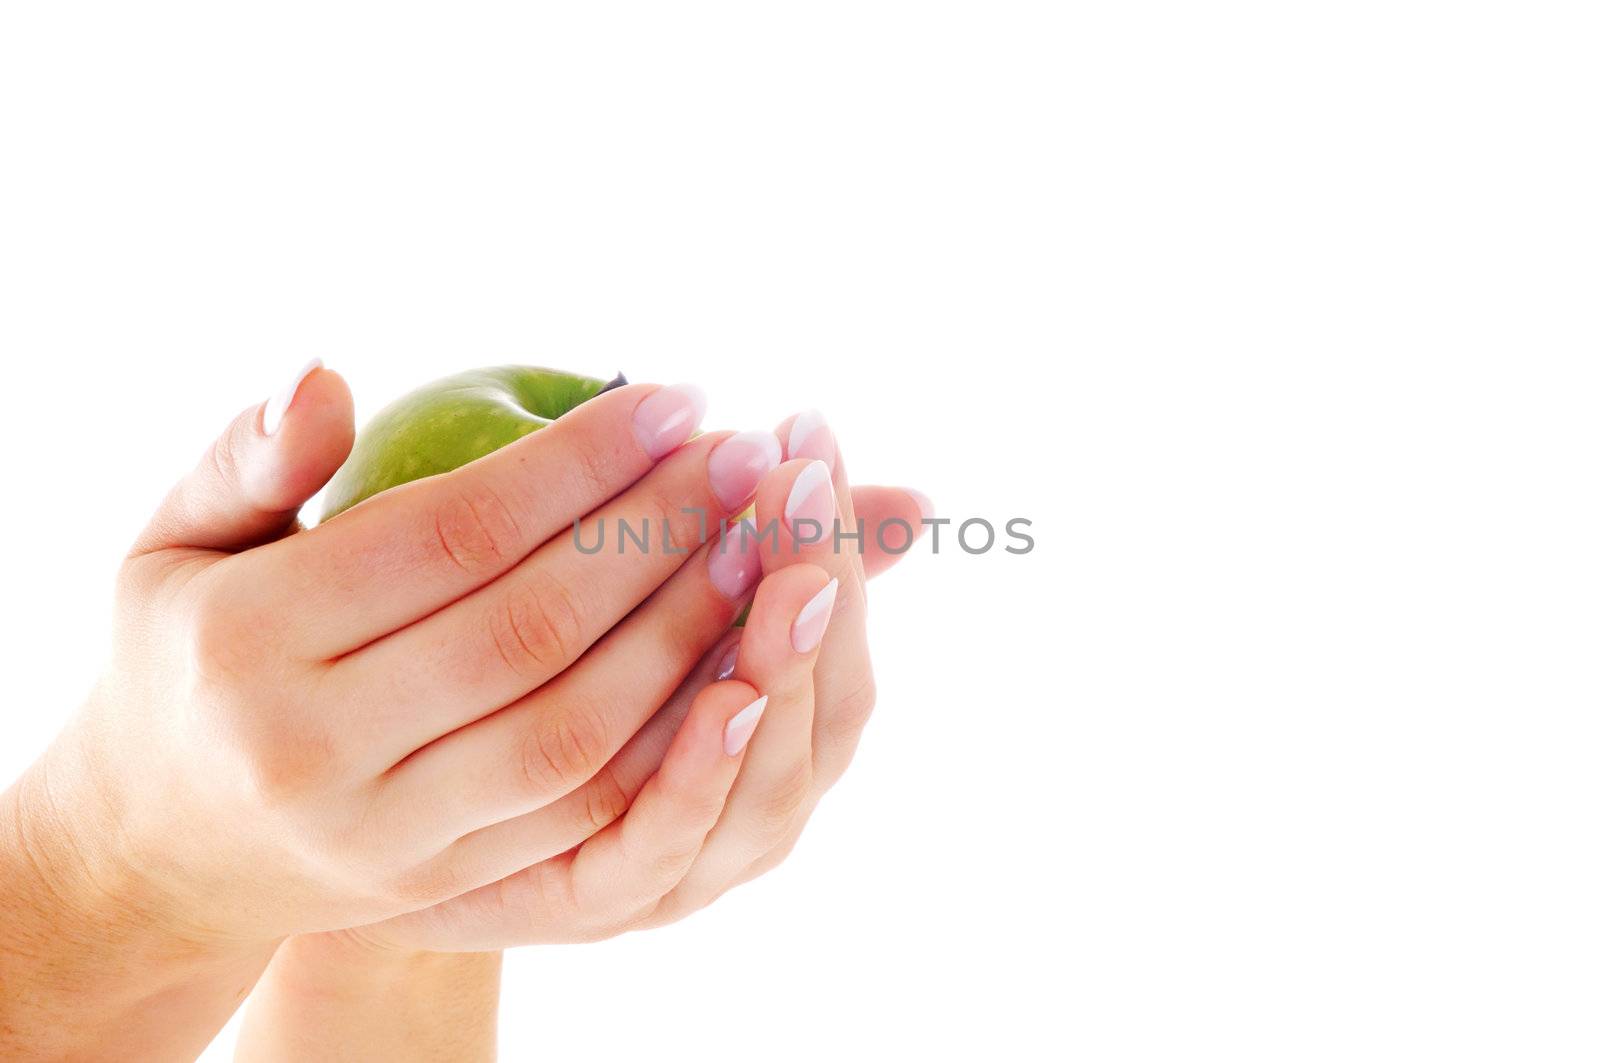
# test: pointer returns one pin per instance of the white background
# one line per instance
(1279, 320)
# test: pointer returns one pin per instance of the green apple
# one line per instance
(445, 424)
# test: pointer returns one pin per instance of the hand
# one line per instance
(585, 890)
(336, 994)
(804, 745)
(303, 730)
(786, 775)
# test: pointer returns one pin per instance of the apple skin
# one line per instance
(446, 424)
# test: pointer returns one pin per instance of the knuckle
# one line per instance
(537, 631)
(696, 805)
(284, 765)
(476, 530)
(776, 856)
(604, 801)
(681, 523)
(542, 895)
(649, 916)
(842, 720)
(436, 881)
(591, 466)
(222, 457)
(562, 752)
(645, 918)
(779, 855)
(670, 863)
(661, 521)
(780, 802)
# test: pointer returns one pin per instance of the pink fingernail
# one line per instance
(730, 660)
(735, 562)
(739, 463)
(737, 734)
(666, 419)
(924, 503)
(273, 412)
(810, 500)
(808, 627)
(810, 437)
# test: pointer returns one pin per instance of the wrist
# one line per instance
(340, 995)
(91, 953)
(355, 952)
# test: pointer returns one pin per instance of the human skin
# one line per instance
(791, 763)
(302, 1008)
(244, 771)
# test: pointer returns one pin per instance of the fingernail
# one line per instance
(810, 437)
(278, 405)
(739, 463)
(735, 562)
(665, 420)
(726, 665)
(737, 734)
(813, 619)
(923, 502)
(810, 499)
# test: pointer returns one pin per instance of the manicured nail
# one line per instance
(810, 437)
(923, 502)
(811, 499)
(737, 734)
(735, 562)
(278, 405)
(729, 660)
(665, 420)
(813, 619)
(739, 463)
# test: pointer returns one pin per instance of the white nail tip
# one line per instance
(801, 430)
(739, 729)
(811, 477)
(696, 397)
(766, 442)
(821, 602)
(278, 405)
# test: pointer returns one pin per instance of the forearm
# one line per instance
(331, 997)
(90, 968)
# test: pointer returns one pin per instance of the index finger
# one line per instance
(413, 549)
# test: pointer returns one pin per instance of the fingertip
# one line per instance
(278, 405)
(736, 735)
(808, 436)
(721, 713)
(667, 418)
(779, 501)
(924, 504)
(781, 601)
(312, 437)
(892, 518)
(727, 661)
(723, 699)
(811, 623)
(718, 726)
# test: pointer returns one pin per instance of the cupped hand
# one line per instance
(301, 729)
(618, 846)
(803, 647)
(809, 517)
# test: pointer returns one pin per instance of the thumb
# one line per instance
(261, 470)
